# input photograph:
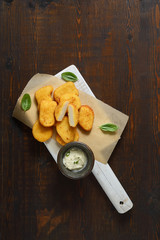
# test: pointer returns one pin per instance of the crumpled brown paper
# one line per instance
(101, 143)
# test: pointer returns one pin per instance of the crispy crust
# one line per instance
(86, 117)
(68, 87)
(41, 133)
(44, 93)
(76, 136)
(72, 98)
(61, 142)
(65, 116)
(46, 113)
(65, 131)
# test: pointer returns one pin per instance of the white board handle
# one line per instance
(112, 187)
(103, 173)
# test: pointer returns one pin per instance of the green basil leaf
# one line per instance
(76, 162)
(108, 127)
(26, 102)
(69, 77)
(68, 153)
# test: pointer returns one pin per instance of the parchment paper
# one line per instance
(101, 143)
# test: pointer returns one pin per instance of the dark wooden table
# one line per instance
(116, 46)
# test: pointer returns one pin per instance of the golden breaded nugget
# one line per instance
(76, 136)
(46, 98)
(61, 142)
(61, 110)
(72, 115)
(41, 133)
(86, 117)
(46, 113)
(65, 131)
(67, 87)
(44, 93)
(71, 98)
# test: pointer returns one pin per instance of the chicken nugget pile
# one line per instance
(63, 112)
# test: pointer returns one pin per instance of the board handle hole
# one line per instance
(121, 202)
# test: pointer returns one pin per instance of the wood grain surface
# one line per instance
(116, 46)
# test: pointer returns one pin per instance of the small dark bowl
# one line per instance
(76, 174)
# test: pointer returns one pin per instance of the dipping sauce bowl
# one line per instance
(76, 148)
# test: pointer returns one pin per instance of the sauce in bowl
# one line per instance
(75, 159)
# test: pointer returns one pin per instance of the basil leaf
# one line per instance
(76, 162)
(108, 127)
(68, 153)
(69, 77)
(26, 102)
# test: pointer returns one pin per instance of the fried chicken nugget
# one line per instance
(46, 113)
(61, 142)
(76, 136)
(41, 133)
(86, 117)
(44, 93)
(72, 115)
(61, 110)
(65, 131)
(72, 98)
(67, 87)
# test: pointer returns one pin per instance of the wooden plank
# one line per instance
(115, 45)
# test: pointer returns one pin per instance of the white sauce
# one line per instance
(75, 159)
